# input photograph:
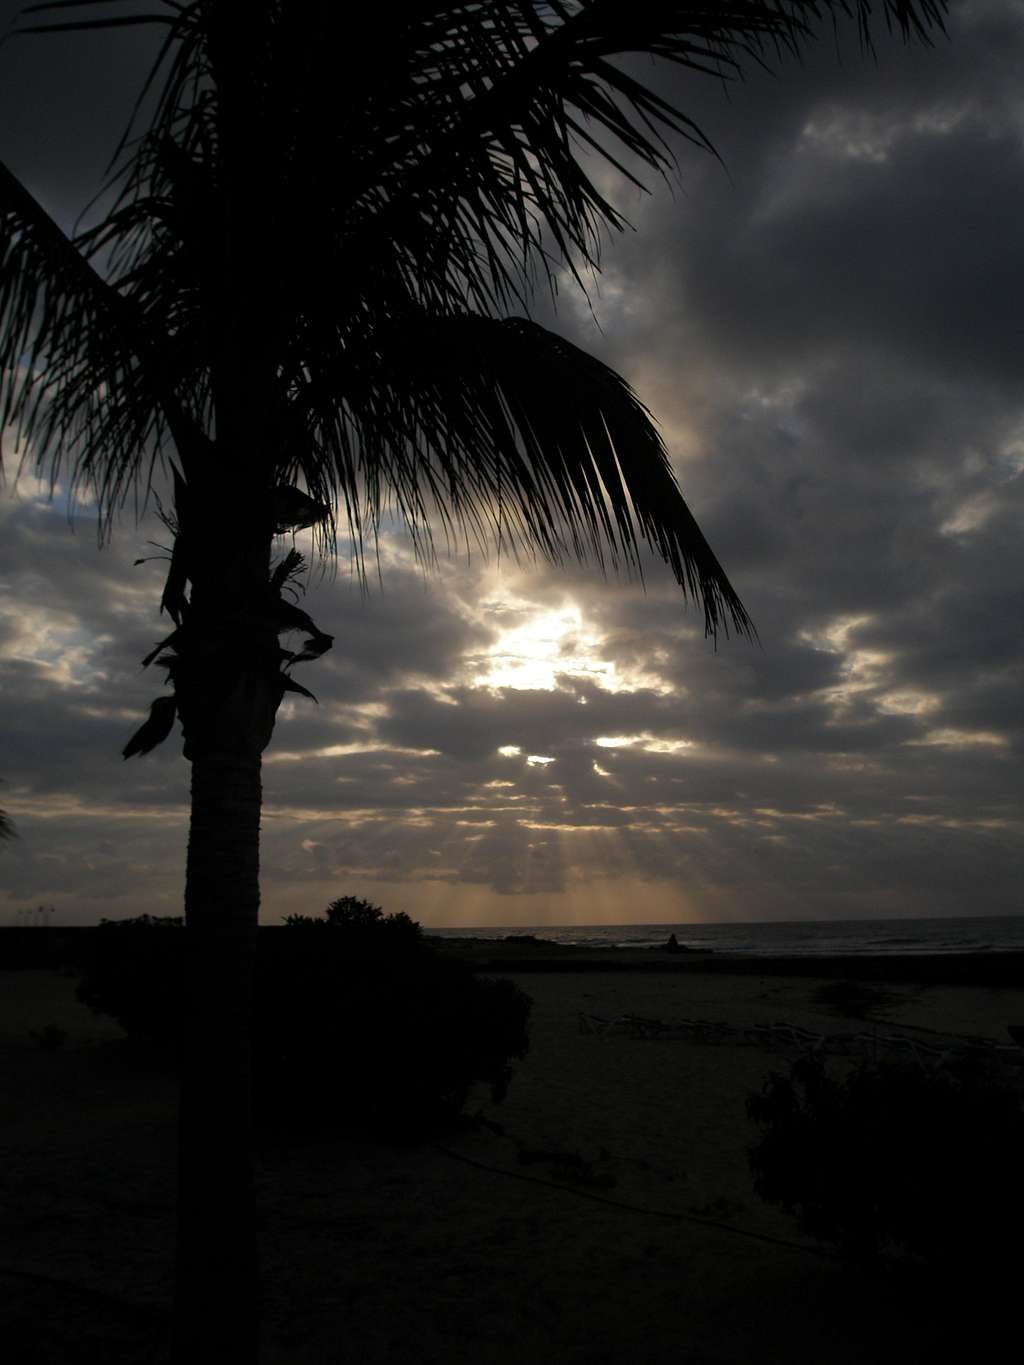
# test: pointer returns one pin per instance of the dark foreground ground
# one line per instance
(610, 1218)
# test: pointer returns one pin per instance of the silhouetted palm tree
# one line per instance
(305, 299)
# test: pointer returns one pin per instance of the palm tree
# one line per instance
(305, 306)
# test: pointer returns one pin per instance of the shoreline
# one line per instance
(993, 969)
(45, 948)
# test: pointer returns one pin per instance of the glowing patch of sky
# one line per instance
(343, 750)
(535, 644)
(908, 703)
(971, 515)
(856, 136)
(650, 744)
(55, 640)
(949, 738)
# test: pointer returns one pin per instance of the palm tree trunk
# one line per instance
(216, 1297)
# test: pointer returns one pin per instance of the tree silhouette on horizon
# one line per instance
(307, 307)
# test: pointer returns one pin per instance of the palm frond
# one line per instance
(444, 141)
(507, 430)
(154, 729)
(84, 381)
(457, 153)
(304, 193)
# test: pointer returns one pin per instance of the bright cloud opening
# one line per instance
(531, 654)
(536, 644)
(962, 739)
(650, 744)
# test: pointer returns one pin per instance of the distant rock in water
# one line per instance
(674, 946)
(530, 941)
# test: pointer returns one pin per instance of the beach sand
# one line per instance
(465, 1251)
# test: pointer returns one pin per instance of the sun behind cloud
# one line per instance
(536, 643)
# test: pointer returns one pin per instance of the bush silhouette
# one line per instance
(892, 1156)
(131, 971)
(390, 1044)
(366, 928)
(359, 1024)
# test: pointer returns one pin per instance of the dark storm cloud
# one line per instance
(67, 101)
(829, 335)
(909, 256)
(860, 203)
(397, 627)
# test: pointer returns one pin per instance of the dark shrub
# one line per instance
(389, 1045)
(131, 970)
(359, 1024)
(367, 930)
(893, 1156)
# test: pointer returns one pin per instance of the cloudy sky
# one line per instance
(830, 330)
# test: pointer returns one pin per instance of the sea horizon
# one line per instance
(903, 936)
(780, 938)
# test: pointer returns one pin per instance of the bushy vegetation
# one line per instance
(359, 1024)
(369, 1027)
(366, 928)
(893, 1156)
(132, 971)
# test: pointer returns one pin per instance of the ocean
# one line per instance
(803, 938)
